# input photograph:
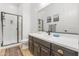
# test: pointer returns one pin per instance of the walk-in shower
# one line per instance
(11, 28)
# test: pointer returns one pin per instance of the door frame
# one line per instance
(17, 27)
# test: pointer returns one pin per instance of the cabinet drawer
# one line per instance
(42, 42)
(44, 51)
(47, 44)
(63, 51)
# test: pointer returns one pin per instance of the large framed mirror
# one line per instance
(63, 15)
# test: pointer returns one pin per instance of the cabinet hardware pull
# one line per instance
(60, 51)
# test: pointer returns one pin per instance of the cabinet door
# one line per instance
(36, 49)
(31, 46)
(44, 51)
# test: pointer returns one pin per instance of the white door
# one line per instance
(9, 29)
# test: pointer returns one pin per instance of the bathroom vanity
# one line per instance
(45, 45)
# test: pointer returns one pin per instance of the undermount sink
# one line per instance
(56, 34)
(43, 33)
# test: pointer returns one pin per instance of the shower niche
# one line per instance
(11, 28)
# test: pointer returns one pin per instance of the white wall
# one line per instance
(68, 16)
(34, 17)
(20, 8)
(43, 5)
(29, 18)
(26, 20)
(10, 8)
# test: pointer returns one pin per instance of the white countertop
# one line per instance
(66, 40)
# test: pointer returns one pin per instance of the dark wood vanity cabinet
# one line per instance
(40, 47)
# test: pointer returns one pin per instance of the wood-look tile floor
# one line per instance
(14, 51)
(26, 52)
(2, 52)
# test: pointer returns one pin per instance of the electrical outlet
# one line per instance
(66, 30)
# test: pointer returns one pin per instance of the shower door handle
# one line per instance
(16, 28)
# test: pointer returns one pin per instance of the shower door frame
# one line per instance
(16, 29)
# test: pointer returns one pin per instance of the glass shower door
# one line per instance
(9, 29)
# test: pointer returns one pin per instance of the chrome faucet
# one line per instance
(48, 32)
